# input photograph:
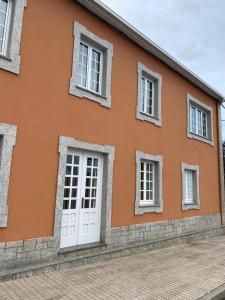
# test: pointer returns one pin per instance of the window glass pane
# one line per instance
(68, 170)
(95, 71)
(3, 5)
(67, 181)
(75, 181)
(73, 204)
(89, 161)
(74, 193)
(1, 44)
(95, 172)
(95, 162)
(199, 120)
(88, 172)
(83, 65)
(149, 97)
(94, 182)
(188, 186)
(66, 193)
(66, 204)
(204, 128)
(193, 119)
(76, 160)
(93, 203)
(86, 203)
(143, 95)
(2, 18)
(75, 170)
(1, 32)
(69, 159)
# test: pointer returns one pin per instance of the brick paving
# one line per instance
(188, 271)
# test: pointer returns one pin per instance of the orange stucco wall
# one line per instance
(38, 102)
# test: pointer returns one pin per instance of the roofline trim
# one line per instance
(109, 16)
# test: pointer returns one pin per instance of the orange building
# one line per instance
(108, 145)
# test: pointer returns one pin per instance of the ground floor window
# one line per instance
(148, 183)
(190, 186)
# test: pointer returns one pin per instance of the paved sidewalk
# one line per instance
(189, 271)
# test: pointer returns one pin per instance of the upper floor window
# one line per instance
(148, 183)
(92, 66)
(11, 19)
(200, 123)
(5, 15)
(149, 95)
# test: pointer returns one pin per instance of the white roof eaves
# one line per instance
(113, 19)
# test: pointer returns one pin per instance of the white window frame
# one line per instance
(192, 102)
(88, 81)
(6, 28)
(146, 202)
(193, 203)
(10, 58)
(197, 127)
(188, 176)
(146, 80)
(156, 204)
(83, 35)
(156, 79)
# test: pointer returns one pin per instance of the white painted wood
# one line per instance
(83, 184)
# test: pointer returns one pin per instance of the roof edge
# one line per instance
(109, 16)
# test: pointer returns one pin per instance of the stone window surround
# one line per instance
(108, 153)
(209, 112)
(8, 141)
(156, 208)
(157, 78)
(11, 61)
(82, 33)
(196, 204)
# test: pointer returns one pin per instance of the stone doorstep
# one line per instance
(62, 262)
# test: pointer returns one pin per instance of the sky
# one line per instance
(192, 31)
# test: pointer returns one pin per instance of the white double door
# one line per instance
(81, 216)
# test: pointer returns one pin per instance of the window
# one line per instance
(149, 183)
(188, 186)
(5, 16)
(7, 142)
(92, 67)
(11, 19)
(199, 120)
(149, 95)
(190, 183)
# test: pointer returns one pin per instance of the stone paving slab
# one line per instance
(189, 271)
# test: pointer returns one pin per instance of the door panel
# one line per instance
(72, 188)
(90, 214)
(81, 215)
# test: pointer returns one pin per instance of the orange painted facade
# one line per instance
(38, 102)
